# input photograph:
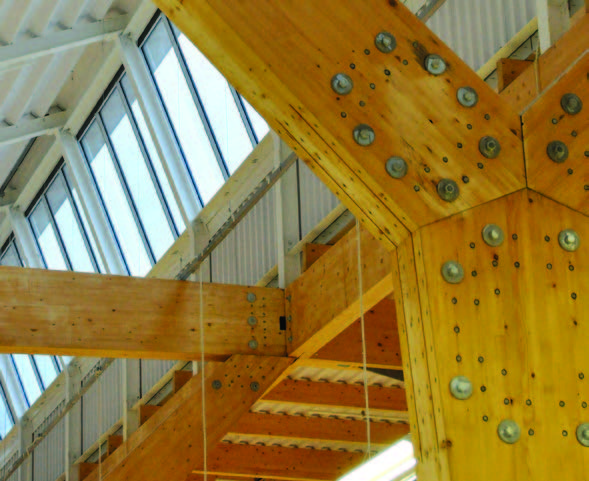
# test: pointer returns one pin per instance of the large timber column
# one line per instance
(489, 281)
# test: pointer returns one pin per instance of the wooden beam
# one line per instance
(551, 65)
(294, 94)
(324, 300)
(554, 20)
(280, 463)
(312, 253)
(337, 395)
(170, 444)
(74, 314)
(319, 429)
(508, 69)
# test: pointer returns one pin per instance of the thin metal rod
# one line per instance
(107, 362)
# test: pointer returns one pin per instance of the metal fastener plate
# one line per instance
(461, 387)
(452, 272)
(467, 96)
(493, 235)
(448, 190)
(396, 167)
(557, 151)
(509, 432)
(569, 240)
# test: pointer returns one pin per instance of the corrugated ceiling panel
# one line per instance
(152, 371)
(475, 30)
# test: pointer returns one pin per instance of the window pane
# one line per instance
(46, 369)
(153, 155)
(11, 257)
(115, 201)
(5, 417)
(137, 175)
(45, 234)
(183, 114)
(27, 376)
(259, 124)
(219, 105)
(68, 226)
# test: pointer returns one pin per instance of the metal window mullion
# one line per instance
(37, 245)
(20, 382)
(126, 190)
(9, 407)
(148, 163)
(60, 242)
(244, 116)
(37, 373)
(197, 102)
(79, 221)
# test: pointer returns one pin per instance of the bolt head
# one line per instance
(583, 434)
(571, 103)
(509, 432)
(385, 42)
(435, 64)
(452, 272)
(493, 235)
(255, 386)
(467, 96)
(216, 384)
(557, 151)
(489, 147)
(461, 388)
(569, 240)
(342, 84)
(251, 297)
(252, 321)
(364, 135)
(396, 167)
(448, 190)
(253, 344)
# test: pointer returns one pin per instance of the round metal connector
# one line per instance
(509, 432)
(583, 434)
(216, 384)
(252, 321)
(364, 135)
(251, 297)
(448, 190)
(435, 64)
(255, 386)
(253, 344)
(342, 84)
(396, 167)
(467, 96)
(452, 272)
(493, 235)
(569, 240)
(461, 388)
(489, 147)
(571, 104)
(385, 42)
(557, 151)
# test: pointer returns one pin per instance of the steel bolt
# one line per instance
(461, 388)
(251, 297)
(396, 167)
(493, 235)
(557, 151)
(569, 240)
(385, 42)
(489, 147)
(217, 384)
(342, 84)
(448, 190)
(252, 321)
(508, 431)
(255, 386)
(253, 344)
(364, 135)
(571, 104)
(467, 97)
(452, 272)
(435, 64)
(583, 434)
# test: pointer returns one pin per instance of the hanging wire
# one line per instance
(362, 328)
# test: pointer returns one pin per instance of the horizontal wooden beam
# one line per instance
(280, 463)
(340, 395)
(170, 444)
(324, 300)
(74, 314)
(319, 429)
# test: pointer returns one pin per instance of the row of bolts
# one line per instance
(489, 147)
(460, 386)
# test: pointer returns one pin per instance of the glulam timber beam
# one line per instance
(75, 314)
(170, 443)
(413, 113)
(325, 300)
